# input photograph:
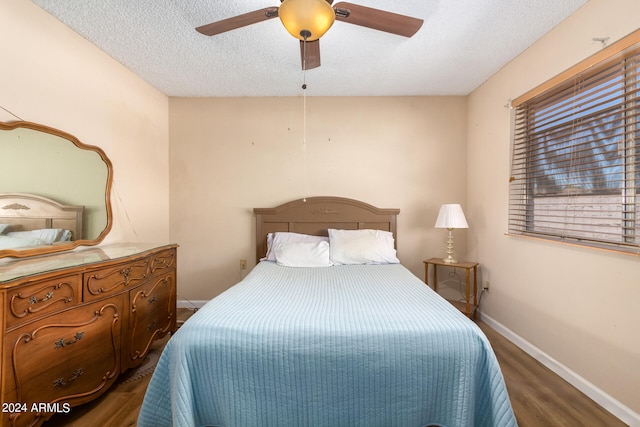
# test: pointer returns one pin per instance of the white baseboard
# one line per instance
(624, 413)
(197, 304)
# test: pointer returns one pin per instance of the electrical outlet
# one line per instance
(486, 286)
(243, 264)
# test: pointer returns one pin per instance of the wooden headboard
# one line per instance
(315, 215)
(30, 212)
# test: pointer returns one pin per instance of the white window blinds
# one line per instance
(576, 156)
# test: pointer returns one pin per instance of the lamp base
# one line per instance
(450, 259)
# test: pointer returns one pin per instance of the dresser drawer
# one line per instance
(162, 262)
(152, 315)
(67, 358)
(37, 299)
(99, 283)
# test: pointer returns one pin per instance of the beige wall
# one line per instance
(229, 155)
(51, 75)
(579, 306)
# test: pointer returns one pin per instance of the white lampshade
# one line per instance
(451, 216)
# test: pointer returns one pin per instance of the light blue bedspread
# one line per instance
(352, 345)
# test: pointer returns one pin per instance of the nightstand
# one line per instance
(468, 307)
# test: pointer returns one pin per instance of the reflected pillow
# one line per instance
(276, 239)
(45, 236)
(362, 247)
(7, 242)
(303, 254)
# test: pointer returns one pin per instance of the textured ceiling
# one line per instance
(460, 45)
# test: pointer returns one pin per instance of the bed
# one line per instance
(345, 344)
(29, 220)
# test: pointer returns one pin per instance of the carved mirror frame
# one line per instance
(48, 249)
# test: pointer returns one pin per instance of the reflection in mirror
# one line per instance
(54, 191)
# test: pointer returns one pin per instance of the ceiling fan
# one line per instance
(308, 20)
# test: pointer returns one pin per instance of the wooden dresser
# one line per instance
(73, 322)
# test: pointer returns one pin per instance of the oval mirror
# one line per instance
(54, 191)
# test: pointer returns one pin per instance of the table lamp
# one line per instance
(451, 216)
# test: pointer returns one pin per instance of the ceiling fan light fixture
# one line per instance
(306, 19)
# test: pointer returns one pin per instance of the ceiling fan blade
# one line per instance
(312, 50)
(380, 20)
(238, 21)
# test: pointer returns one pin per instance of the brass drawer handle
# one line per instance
(152, 325)
(61, 343)
(126, 272)
(34, 299)
(153, 299)
(61, 382)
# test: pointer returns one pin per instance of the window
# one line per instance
(576, 154)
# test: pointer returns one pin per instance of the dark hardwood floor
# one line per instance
(539, 397)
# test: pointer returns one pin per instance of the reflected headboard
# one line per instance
(315, 215)
(31, 212)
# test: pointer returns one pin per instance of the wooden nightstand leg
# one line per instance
(475, 285)
(435, 277)
(426, 273)
(467, 293)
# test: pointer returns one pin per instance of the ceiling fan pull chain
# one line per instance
(304, 116)
(305, 178)
(303, 148)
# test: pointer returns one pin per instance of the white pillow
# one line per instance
(3, 227)
(276, 239)
(45, 235)
(7, 242)
(303, 254)
(362, 247)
